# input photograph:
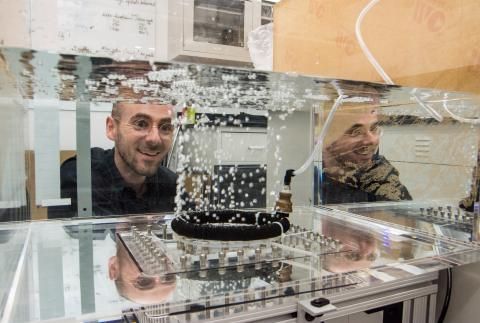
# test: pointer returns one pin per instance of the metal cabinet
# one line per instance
(215, 29)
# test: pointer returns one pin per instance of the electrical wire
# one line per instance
(448, 294)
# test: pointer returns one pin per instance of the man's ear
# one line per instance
(113, 270)
(111, 128)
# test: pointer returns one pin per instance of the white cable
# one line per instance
(377, 66)
(475, 121)
(364, 47)
(426, 107)
(323, 133)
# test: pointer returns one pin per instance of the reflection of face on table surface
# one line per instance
(359, 248)
(134, 285)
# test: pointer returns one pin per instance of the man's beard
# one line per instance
(134, 165)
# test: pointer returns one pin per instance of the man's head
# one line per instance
(359, 249)
(135, 286)
(143, 136)
(353, 136)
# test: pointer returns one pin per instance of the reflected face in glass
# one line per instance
(359, 249)
(143, 136)
(359, 142)
(134, 285)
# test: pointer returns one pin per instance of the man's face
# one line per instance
(359, 142)
(358, 251)
(136, 286)
(143, 136)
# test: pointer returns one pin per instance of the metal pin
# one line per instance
(246, 299)
(187, 311)
(280, 293)
(240, 254)
(307, 245)
(157, 254)
(203, 260)
(263, 296)
(152, 248)
(221, 263)
(258, 256)
(422, 210)
(183, 262)
(164, 231)
(207, 305)
(297, 288)
(180, 245)
(275, 256)
(167, 311)
(227, 302)
(164, 262)
(221, 258)
(149, 229)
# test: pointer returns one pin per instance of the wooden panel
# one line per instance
(424, 43)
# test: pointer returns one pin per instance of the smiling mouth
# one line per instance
(149, 154)
(364, 151)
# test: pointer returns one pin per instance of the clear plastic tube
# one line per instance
(456, 117)
(426, 107)
(377, 66)
(364, 47)
(323, 133)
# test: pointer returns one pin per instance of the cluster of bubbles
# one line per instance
(210, 178)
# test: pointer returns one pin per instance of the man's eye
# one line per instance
(355, 132)
(141, 124)
(166, 127)
(143, 282)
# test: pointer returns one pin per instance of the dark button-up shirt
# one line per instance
(110, 193)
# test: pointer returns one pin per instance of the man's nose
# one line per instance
(370, 137)
(153, 136)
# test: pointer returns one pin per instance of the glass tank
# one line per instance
(241, 141)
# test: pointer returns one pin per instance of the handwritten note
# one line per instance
(122, 29)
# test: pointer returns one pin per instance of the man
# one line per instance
(127, 179)
(353, 171)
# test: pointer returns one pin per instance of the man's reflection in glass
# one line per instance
(353, 170)
(359, 248)
(136, 286)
